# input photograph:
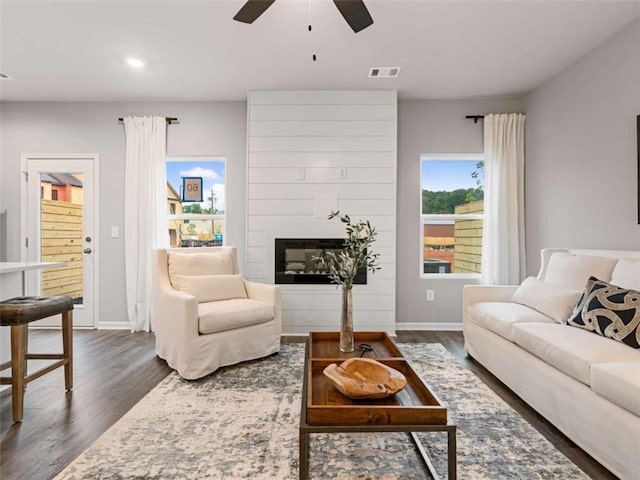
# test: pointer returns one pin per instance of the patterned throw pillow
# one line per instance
(609, 311)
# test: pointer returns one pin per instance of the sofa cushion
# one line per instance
(573, 271)
(618, 383)
(499, 317)
(610, 311)
(211, 288)
(627, 273)
(551, 300)
(206, 263)
(230, 314)
(571, 350)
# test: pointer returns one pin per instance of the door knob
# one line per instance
(87, 250)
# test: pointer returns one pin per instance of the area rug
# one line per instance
(242, 422)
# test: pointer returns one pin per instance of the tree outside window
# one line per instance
(452, 195)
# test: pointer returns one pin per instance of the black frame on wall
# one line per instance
(305, 249)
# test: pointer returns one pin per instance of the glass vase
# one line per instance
(346, 323)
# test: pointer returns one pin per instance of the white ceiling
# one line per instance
(75, 50)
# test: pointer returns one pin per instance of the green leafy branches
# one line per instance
(357, 253)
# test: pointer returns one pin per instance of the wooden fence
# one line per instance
(61, 229)
(468, 240)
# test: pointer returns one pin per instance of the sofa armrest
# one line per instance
(263, 292)
(266, 293)
(174, 314)
(487, 293)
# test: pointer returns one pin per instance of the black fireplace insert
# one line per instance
(294, 261)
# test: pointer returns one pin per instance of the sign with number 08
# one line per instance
(191, 189)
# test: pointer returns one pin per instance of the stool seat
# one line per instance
(17, 313)
(20, 310)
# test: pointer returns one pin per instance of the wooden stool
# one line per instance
(17, 313)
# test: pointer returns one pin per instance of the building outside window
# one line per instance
(196, 223)
(452, 210)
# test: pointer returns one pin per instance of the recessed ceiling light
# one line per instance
(135, 62)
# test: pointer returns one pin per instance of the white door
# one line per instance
(60, 224)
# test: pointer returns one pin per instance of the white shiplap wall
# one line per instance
(300, 142)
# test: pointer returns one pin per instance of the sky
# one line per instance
(448, 175)
(212, 173)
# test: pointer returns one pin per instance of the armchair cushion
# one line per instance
(206, 263)
(230, 314)
(210, 288)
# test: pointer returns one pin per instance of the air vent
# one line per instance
(4, 76)
(384, 72)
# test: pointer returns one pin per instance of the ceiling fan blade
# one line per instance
(251, 10)
(355, 13)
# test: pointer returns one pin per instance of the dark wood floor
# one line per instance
(115, 369)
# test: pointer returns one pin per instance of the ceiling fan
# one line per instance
(354, 12)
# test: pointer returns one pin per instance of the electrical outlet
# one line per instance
(115, 232)
(430, 295)
(299, 173)
(342, 172)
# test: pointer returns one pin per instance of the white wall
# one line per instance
(314, 134)
(205, 128)
(431, 126)
(581, 162)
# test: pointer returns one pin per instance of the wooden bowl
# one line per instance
(359, 378)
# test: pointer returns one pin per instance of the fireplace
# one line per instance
(294, 261)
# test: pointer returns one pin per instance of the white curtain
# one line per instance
(503, 253)
(145, 210)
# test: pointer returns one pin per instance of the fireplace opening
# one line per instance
(294, 261)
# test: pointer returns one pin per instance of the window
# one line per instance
(196, 224)
(452, 197)
(54, 194)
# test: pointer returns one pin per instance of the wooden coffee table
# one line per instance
(325, 410)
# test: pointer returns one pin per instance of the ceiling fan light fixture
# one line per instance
(354, 12)
(251, 10)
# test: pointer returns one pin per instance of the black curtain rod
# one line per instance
(475, 118)
(170, 120)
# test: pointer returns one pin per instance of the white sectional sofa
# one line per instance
(585, 384)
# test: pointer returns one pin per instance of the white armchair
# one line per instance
(206, 316)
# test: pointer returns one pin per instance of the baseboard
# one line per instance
(57, 327)
(430, 326)
(113, 326)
